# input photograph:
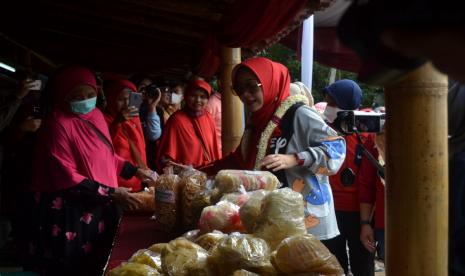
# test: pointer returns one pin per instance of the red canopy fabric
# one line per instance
(329, 51)
(251, 24)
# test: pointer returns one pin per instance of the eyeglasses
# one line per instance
(251, 86)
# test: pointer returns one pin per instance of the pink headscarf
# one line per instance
(69, 150)
(69, 78)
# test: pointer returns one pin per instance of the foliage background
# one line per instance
(373, 96)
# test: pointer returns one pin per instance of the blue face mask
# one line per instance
(83, 107)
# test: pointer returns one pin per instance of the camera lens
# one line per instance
(347, 177)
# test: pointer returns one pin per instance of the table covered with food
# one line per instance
(237, 223)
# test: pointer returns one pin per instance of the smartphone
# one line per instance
(36, 85)
(135, 99)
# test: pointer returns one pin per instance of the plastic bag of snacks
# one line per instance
(133, 269)
(305, 253)
(243, 272)
(148, 257)
(167, 199)
(209, 240)
(193, 188)
(236, 198)
(250, 211)
(224, 217)
(147, 200)
(191, 235)
(230, 181)
(182, 258)
(281, 216)
(157, 247)
(242, 251)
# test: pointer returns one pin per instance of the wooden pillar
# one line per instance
(232, 109)
(417, 175)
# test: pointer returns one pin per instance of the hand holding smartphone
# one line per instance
(135, 99)
(35, 85)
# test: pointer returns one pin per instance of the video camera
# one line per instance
(349, 122)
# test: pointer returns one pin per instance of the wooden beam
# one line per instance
(417, 175)
(232, 109)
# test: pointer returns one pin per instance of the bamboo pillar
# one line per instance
(417, 175)
(232, 109)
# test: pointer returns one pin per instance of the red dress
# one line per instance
(189, 140)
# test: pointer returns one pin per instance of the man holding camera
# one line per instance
(346, 95)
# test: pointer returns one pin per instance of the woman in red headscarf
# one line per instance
(286, 136)
(125, 128)
(76, 194)
(189, 136)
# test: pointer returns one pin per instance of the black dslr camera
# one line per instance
(349, 122)
(151, 91)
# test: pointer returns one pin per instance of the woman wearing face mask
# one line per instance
(344, 95)
(171, 99)
(76, 195)
(125, 129)
(189, 137)
(286, 136)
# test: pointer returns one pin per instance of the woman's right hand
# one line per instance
(123, 198)
(130, 112)
(125, 115)
(367, 238)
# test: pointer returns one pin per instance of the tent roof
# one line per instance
(159, 37)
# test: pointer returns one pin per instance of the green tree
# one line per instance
(320, 78)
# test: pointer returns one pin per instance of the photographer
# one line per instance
(10, 105)
(125, 128)
(150, 121)
(340, 96)
(21, 119)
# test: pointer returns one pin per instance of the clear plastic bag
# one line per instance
(133, 269)
(230, 181)
(157, 247)
(210, 240)
(167, 201)
(236, 198)
(193, 194)
(224, 217)
(183, 258)
(244, 272)
(250, 211)
(305, 254)
(146, 198)
(148, 257)
(191, 235)
(281, 216)
(242, 251)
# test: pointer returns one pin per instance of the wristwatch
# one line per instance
(300, 161)
(363, 222)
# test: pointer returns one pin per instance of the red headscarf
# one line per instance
(114, 88)
(275, 81)
(127, 137)
(189, 139)
(198, 84)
